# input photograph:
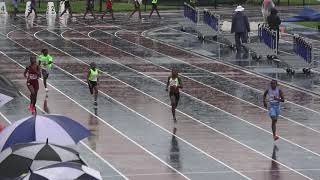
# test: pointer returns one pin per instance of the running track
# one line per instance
(223, 132)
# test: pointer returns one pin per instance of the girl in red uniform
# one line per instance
(32, 73)
(109, 8)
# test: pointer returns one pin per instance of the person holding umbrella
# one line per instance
(32, 73)
(20, 158)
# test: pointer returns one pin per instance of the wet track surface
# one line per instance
(223, 131)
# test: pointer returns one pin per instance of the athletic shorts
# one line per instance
(154, 5)
(274, 111)
(174, 97)
(90, 6)
(92, 84)
(44, 72)
(34, 83)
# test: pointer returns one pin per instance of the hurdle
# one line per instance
(190, 17)
(302, 48)
(267, 44)
(209, 25)
(3, 8)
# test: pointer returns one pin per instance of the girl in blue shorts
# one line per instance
(271, 100)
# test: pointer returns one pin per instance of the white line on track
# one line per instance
(186, 114)
(317, 131)
(162, 161)
(241, 84)
(195, 97)
(91, 150)
(169, 132)
(201, 122)
(257, 74)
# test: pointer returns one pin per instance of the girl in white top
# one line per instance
(174, 83)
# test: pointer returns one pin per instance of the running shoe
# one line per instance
(30, 107)
(95, 103)
(275, 137)
(47, 89)
(33, 110)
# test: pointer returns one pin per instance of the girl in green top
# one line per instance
(154, 8)
(45, 62)
(92, 79)
(174, 83)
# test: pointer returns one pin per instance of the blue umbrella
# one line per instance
(57, 129)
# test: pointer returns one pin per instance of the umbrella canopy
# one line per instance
(58, 129)
(66, 170)
(4, 99)
(19, 158)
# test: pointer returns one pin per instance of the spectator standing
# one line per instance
(267, 5)
(240, 26)
(274, 23)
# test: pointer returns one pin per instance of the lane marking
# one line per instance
(91, 150)
(106, 96)
(240, 142)
(180, 111)
(256, 74)
(211, 87)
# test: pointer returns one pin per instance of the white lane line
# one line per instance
(182, 112)
(191, 117)
(256, 74)
(198, 149)
(211, 87)
(165, 163)
(204, 102)
(91, 150)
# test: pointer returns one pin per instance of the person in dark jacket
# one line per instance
(240, 26)
(274, 22)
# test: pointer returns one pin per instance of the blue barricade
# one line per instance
(267, 36)
(302, 48)
(190, 13)
(211, 20)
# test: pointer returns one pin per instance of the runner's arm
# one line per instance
(39, 71)
(25, 72)
(264, 99)
(50, 59)
(281, 99)
(88, 75)
(180, 83)
(168, 82)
